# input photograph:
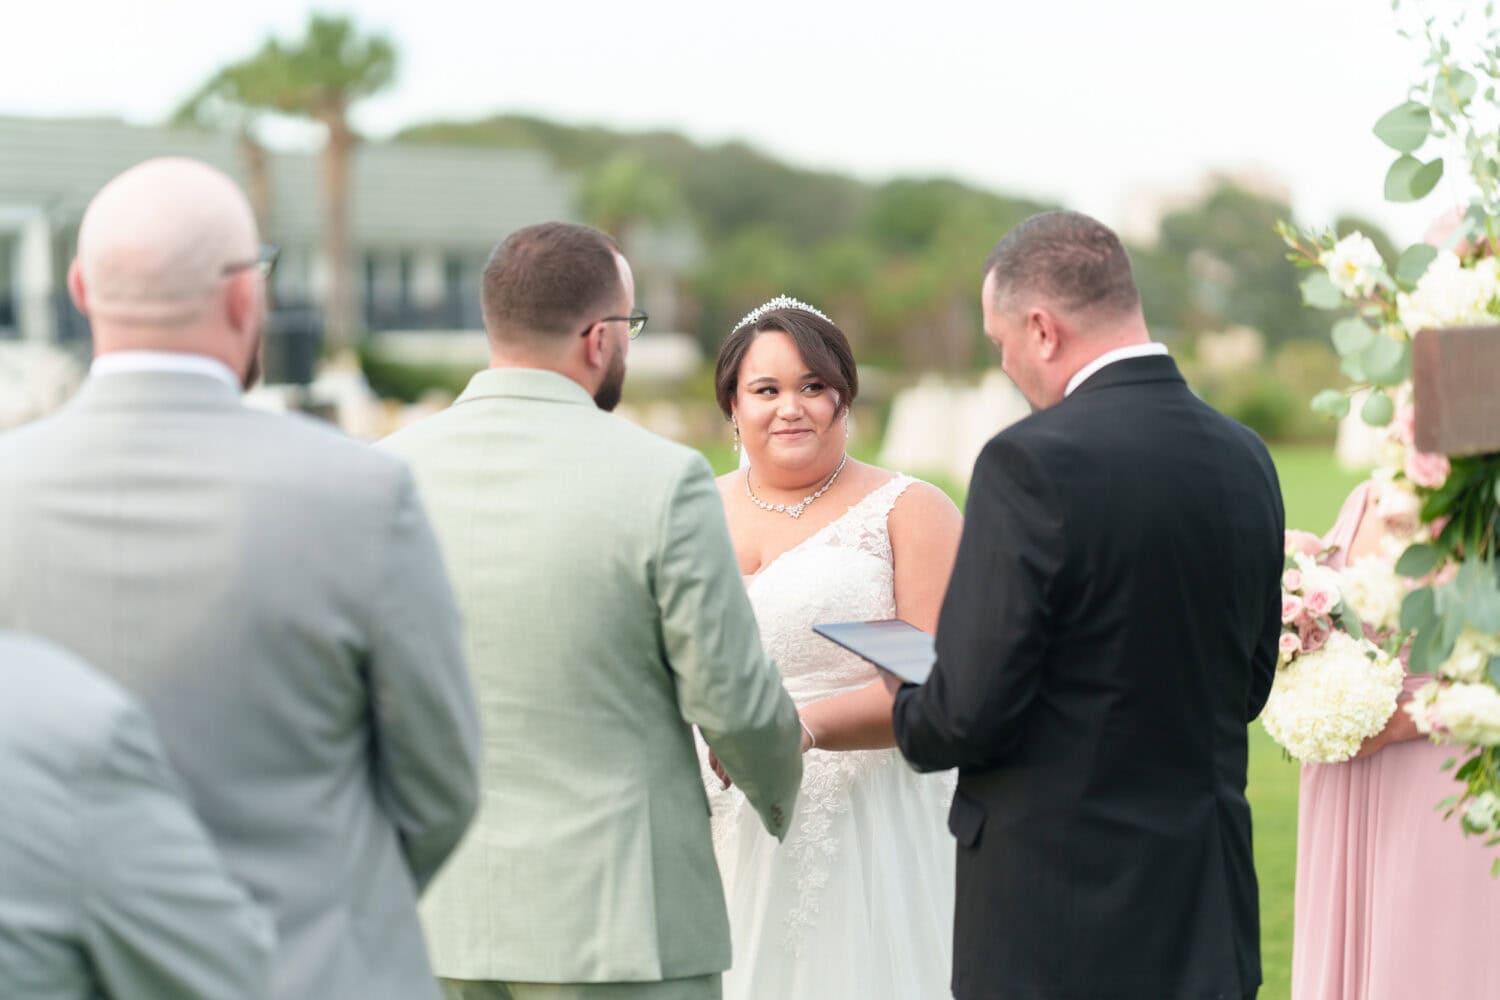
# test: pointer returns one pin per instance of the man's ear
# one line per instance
(1044, 327)
(76, 291)
(242, 303)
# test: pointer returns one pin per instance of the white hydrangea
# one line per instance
(1354, 265)
(1483, 813)
(1471, 656)
(1324, 704)
(1372, 588)
(1450, 294)
(1457, 713)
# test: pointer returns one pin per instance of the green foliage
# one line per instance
(407, 382)
(1331, 403)
(316, 77)
(1378, 409)
(1318, 292)
(1409, 179)
(623, 191)
(1412, 264)
(1405, 127)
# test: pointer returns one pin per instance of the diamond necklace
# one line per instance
(795, 510)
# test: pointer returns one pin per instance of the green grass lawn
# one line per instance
(1314, 488)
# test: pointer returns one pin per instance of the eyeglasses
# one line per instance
(636, 319)
(264, 262)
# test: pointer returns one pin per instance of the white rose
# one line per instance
(1450, 295)
(1354, 265)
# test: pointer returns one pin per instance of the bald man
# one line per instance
(269, 589)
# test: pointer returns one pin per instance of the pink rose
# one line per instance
(1304, 542)
(1426, 469)
(1321, 602)
(1290, 644)
(1436, 527)
(1291, 580)
(1291, 607)
(1399, 509)
(1314, 634)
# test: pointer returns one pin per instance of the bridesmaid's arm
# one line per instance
(1399, 729)
(924, 527)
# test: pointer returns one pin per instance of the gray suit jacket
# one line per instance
(109, 885)
(604, 616)
(272, 592)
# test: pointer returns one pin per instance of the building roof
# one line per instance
(451, 197)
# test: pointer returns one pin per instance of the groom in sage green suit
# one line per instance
(605, 616)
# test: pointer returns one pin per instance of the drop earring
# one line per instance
(736, 425)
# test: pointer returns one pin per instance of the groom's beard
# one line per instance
(607, 396)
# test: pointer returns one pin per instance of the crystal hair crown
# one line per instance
(780, 302)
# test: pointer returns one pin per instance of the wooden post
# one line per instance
(1456, 380)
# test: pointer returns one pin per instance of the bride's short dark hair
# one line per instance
(823, 347)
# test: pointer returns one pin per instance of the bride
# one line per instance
(858, 900)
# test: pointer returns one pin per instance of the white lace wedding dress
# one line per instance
(857, 903)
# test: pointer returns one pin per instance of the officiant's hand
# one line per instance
(718, 769)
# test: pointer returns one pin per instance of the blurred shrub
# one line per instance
(1271, 399)
(410, 382)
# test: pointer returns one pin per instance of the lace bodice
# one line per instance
(841, 573)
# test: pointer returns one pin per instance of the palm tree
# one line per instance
(317, 77)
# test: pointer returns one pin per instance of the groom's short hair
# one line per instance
(1072, 259)
(549, 280)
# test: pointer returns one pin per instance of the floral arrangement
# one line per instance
(1442, 512)
(1334, 688)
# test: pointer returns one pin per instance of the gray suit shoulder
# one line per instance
(51, 700)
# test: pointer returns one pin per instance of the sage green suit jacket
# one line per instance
(604, 616)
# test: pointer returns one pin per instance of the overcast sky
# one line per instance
(1104, 105)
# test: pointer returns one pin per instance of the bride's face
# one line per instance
(787, 416)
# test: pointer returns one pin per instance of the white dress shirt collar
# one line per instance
(1152, 349)
(127, 362)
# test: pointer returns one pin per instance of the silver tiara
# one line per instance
(780, 302)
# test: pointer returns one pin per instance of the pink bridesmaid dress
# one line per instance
(1393, 902)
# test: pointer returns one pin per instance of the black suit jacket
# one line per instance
(1109, 630)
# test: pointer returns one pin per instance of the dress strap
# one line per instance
(880, 501)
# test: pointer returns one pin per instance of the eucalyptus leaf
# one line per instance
(1483, 610)
(1319, 291)
(1405, 128)
(1418, 611)
(1331, 403)
(1352, 335)
(1413, 263)
(1427, 652)
(1418, 560)
(1378, 409)
(1409, 179)
(1464, 84)
(1386, 363)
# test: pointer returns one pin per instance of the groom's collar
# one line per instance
(1155, 367)
(1146, 350)
(525, 383)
